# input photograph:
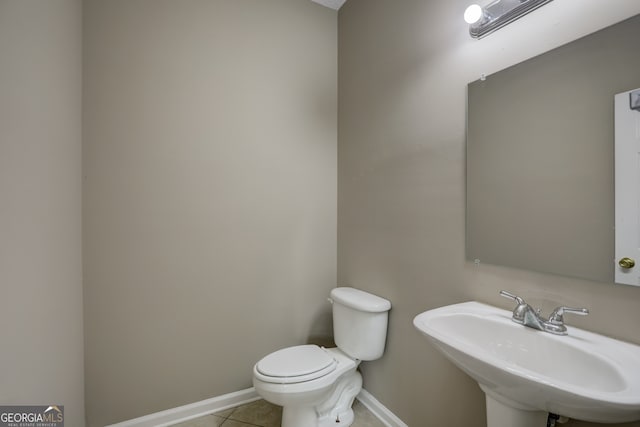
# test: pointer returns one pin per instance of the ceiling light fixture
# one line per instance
(473, 14)
(497, 14)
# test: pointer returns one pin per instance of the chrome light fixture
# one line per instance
(497, 14)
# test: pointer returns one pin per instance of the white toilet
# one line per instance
(316, 386)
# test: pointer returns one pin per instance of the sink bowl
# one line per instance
(582, 375)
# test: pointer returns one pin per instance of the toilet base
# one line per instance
(345, 419)
(307, 416)
(335, 411)
(299, 416)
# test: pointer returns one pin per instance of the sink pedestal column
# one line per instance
(500, 414)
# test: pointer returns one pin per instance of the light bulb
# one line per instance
(473, 14)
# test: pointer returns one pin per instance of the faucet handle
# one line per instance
(557, 316)
(516, 298)
(520, 311)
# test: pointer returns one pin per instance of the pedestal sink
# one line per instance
(526, 374)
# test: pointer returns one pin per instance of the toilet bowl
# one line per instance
(316, 386)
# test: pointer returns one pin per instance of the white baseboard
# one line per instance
(231, 400)
(381, 412)
(192, 410)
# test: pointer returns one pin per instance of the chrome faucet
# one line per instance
(528, 316)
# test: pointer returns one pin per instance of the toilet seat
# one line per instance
(295, 365)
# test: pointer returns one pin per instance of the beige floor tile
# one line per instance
(206, 421)
(225, 413)
(364, 418)
(260, 413)
(264, 414)
(232, 423)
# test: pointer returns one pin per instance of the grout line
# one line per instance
(239, 422)
(228, 418)
(364, 400)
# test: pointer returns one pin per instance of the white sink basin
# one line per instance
(582, 375)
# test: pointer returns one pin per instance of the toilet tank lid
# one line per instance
(360, 300)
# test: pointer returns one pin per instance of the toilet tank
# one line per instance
(359, 322)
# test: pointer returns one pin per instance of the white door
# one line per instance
(627, 175)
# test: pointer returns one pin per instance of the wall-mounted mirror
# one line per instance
(540, 157)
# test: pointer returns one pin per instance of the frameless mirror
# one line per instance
(540, 157)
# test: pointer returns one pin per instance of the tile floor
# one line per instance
(263, 414)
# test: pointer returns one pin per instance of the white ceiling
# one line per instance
(333, 4)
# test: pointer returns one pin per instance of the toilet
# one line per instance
(316, 386)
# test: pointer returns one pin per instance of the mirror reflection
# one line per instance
(540, 157)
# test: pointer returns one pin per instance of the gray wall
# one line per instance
(403, 71)
(40, 210)
(209, 194)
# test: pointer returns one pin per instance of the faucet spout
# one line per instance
(532, 319)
